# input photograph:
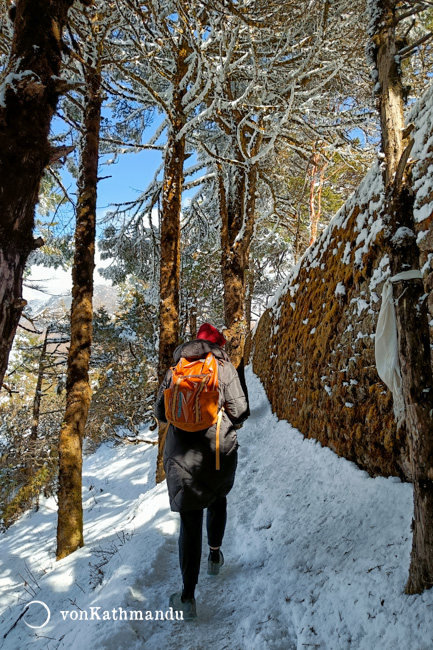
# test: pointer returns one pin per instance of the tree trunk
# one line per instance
(249, 297)
(30, 463)
(316, 194)
(312, 204)
(12, 263)
(169, 267)
(390, 96)
(233, 272)
(169, 274)
(38, 390)
(170, 254)
(237, 226)
(233, 260)
(410, 303)
(193, 321)
(417, 387)
(78, 391)
(30, 99)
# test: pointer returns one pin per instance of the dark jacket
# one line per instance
(189, 458)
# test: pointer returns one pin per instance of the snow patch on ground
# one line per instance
(317, 555)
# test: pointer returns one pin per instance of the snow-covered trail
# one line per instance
(317, 555)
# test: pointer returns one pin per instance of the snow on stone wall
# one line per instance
(314, 347)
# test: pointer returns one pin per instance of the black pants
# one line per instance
(191, 524)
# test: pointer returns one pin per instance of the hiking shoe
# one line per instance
(188, 607)
(213, 568)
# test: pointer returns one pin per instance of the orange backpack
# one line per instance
(191, 401)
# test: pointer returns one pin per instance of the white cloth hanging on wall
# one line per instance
(386, 343)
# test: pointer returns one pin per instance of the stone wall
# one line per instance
(314, 347)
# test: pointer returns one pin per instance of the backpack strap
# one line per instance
(176, 391)
(217, 439)
(164, 435)
(202, 386)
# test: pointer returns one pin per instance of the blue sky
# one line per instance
(128, 177)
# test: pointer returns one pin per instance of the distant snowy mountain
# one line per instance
(103, 296)
(36, 306)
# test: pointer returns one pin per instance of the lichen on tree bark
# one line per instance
(78, 391)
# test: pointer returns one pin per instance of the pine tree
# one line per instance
(92, 33)
(278, 75)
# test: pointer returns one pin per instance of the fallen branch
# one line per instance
(14, 625)
(9, 390)
(134, 441)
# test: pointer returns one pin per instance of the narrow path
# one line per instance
(316, 551)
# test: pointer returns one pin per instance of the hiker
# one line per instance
(190, 463)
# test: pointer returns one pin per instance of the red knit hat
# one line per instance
(210, 333)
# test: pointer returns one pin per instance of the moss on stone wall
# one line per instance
(316, 360)
(313, 348)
